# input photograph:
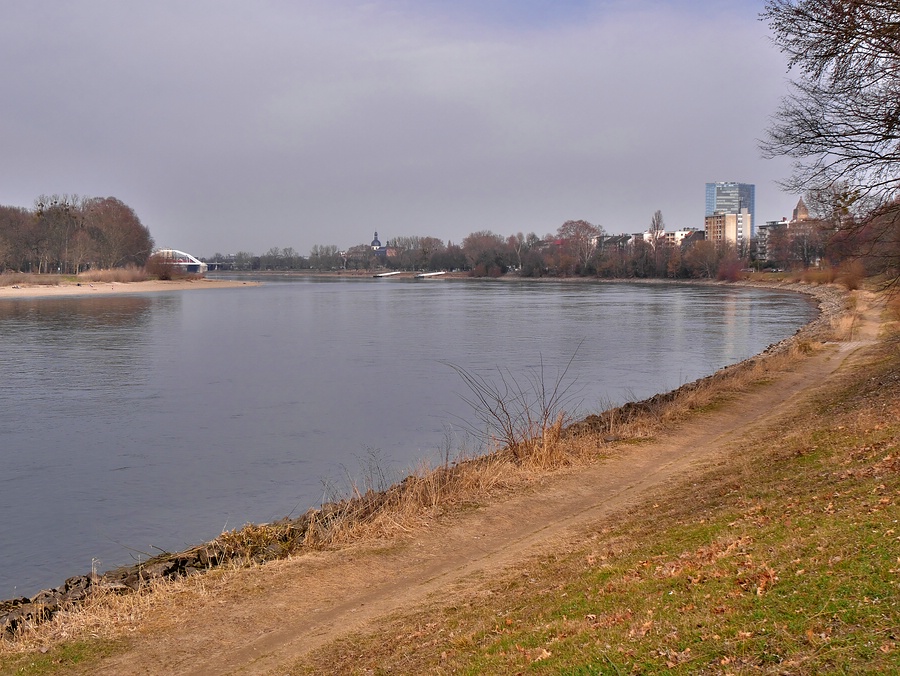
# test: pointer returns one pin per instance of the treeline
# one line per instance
(67, 234)
(577, 248)
(841, 228)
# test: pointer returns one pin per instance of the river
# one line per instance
(141, 423)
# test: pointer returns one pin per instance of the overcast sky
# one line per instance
(233, 125)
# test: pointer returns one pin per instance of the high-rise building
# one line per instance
(730, 198)
(723, 226)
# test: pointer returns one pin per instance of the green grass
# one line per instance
(784, 560)
(58, 658)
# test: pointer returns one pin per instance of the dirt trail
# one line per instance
(301, 604)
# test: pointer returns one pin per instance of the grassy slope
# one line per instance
(784, 560)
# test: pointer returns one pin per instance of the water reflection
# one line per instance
(67, 313)
(92, 342)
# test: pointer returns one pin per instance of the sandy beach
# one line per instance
(114, 288)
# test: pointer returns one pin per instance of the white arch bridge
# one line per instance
(184, 261)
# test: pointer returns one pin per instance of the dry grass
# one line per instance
(30, 279)
(158, 268)
(825, 275)
(849, 274)
(108, 616)
(428, 493)
(130, 273)
(648, 418)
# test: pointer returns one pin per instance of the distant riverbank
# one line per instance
(108, 288)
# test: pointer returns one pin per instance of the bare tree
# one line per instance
(657, 227)
(657, 241)
(451, 257)
(843, 118)
(702, 259)
(406, 251)
(120, 237)
(841, 122)
(360, 257)
(428, 248)
(324, 257)
(58, 217)
(579, 240)
(17, 231)
(290, 258)
(271, 260)
(486, 253)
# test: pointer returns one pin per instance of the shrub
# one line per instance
(851, 274)
(729, 270)
(825, 275)
(157, 268)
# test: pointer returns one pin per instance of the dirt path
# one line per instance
(269, 620)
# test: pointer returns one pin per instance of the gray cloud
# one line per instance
(229, 126)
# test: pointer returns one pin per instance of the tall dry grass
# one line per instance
(12, 278)
(850, 274)
(131, 273)
(824, 275)
(158, 268)
(108, 614)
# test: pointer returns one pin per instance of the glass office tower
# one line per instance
(730, 198)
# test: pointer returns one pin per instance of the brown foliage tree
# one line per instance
(58, 219)
(578, 242)
(17, 233)
(702, 259)
(486, 253)
(119, 236)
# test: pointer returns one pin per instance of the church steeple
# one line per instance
(801, 213)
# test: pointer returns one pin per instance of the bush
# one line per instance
(729, 270)
(157, 268)
(851, 274)
(825, 275)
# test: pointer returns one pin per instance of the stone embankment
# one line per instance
(251, 544)
(19, 612)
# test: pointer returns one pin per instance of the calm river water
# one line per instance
(138, 423)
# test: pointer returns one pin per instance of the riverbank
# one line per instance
(596, 477)
(26, 290)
